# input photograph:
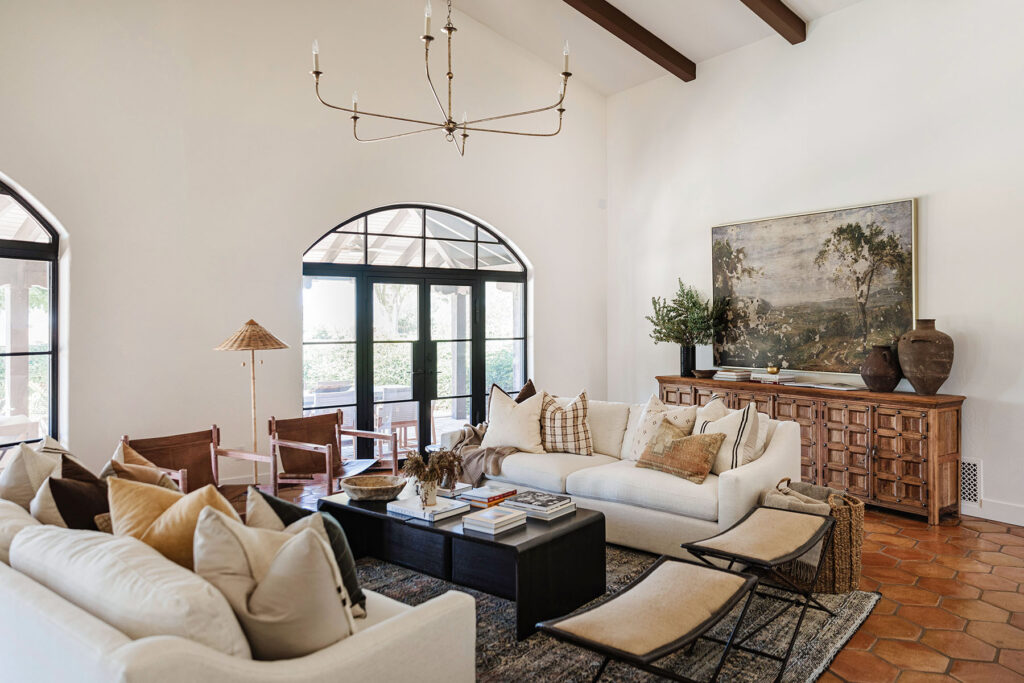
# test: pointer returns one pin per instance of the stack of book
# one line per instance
(455, 491)
(733, 375)
(768, 378)
(494, 521)
(545, 506)
(411, 507)
(488, 495)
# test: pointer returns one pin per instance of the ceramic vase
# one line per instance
(881, 369)
(926, 356)
(428, 493)
(687, 360)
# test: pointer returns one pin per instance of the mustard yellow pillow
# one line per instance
(162, 518)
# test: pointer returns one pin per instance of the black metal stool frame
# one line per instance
(781, 582)
(646, 662)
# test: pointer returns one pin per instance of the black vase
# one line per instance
(687, 360)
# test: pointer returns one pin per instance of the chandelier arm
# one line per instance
(516, 132)
(430, 81)
(360, 112)
(392, 137)
(523, 113)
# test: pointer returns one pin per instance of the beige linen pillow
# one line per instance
(654, 412)
(511, 424)
(675, 452)
(25, 470)
(128, 585)
(128, 463)
(13, 518)
(285, 588)
(740, 428)
(564, 429)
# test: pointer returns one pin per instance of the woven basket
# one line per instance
(841, 566)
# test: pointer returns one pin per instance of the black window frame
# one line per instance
(38, 251)
(365, 274)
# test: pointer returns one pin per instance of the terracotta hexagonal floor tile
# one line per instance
(942, 548)
(896, 628)
(1012, 659)
(963, 564)
(1000, 559)
(829, 678)
(949, 587)
(984, 527)
(868, 584)
(922, 677)
(878, 560)
(1000, 635)
(863, 667)
(911, 554)
(863, 639)
(910, 595)
(885, 606)
(983, 672)
(909, 655)
(1015, 550)
(974, 544)
(872, 526)
(1013, 602)
(872, 547)
(888, 575)
(929, 534)
(959, 645)
(932, 618)
(992, 582)
(1011, 573)
(1016, 619)
(1003, 539)
(894, 540)
(932, 569)
(975, 610)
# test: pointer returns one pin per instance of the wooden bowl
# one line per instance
(373, 486)
(704, 374)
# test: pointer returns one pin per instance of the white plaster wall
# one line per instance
(180, 145)
(887, 99)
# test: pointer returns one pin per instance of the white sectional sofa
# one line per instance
(647, 509)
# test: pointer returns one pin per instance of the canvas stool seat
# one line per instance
(672, 605)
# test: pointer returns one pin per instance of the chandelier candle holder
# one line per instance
(455, 132)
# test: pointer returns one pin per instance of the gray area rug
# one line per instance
(500, 657)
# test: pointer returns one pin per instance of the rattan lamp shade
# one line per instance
(251, 337)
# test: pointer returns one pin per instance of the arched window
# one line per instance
(28, 321)
(410, 314)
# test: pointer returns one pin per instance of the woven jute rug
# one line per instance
(500, 657)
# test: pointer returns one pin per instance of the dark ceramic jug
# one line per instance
(881, 369)
(926, 356)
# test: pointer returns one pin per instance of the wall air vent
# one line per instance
(970, 481)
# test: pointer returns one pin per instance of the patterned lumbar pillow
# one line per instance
(740, 428)
(511, 424)
(128, 463)
(161, 518)
(71, 497)
(674, 451)
(264, 511)
(654, 413)
(284, 586)
(564, 429)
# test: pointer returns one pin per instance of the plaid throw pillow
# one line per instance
(565, 430)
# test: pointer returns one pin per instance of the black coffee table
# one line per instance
(547, 568)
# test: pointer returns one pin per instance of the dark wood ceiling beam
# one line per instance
(619, 24)
(785, 21)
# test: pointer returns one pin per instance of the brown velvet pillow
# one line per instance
(71, 497)
(526, 392)
(676, 452)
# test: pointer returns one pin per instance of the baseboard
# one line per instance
(997, 511)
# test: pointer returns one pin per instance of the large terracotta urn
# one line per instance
(881, 369)
(926, 356)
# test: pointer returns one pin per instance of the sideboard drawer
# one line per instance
(677, 394)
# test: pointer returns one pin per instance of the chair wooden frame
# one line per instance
(180, 476)
(327, 450)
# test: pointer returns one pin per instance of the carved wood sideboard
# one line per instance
(893, 450)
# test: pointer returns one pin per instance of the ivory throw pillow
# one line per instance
(128, 463)
(511, 424)
(675, 452)
(654, 412)
(25, 470)
(71, 497)
(128, 585)
(740, 428)
(715, 409)
(13, 518)
(284, 587)
(264, 511)
(564, 429)
(161, 518)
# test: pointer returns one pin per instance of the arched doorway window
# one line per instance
(410, 314)
(28, 321)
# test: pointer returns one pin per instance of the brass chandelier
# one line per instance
(455, 132)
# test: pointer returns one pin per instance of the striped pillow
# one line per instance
(740, 428)
(565, 429)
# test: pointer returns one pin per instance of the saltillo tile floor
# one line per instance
(952, 606)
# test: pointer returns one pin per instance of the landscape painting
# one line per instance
(815, 291)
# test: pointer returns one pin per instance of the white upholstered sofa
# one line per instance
(47, 638)
(644, 508)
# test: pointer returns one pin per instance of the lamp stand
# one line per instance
(252, 381)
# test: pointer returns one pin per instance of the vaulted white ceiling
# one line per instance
(699, 29)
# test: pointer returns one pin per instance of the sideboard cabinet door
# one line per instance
(846, 437)
(900, 456)
(805, 413)
(741, 399)
(677, 394)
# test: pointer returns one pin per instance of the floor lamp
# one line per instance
(252, 337)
